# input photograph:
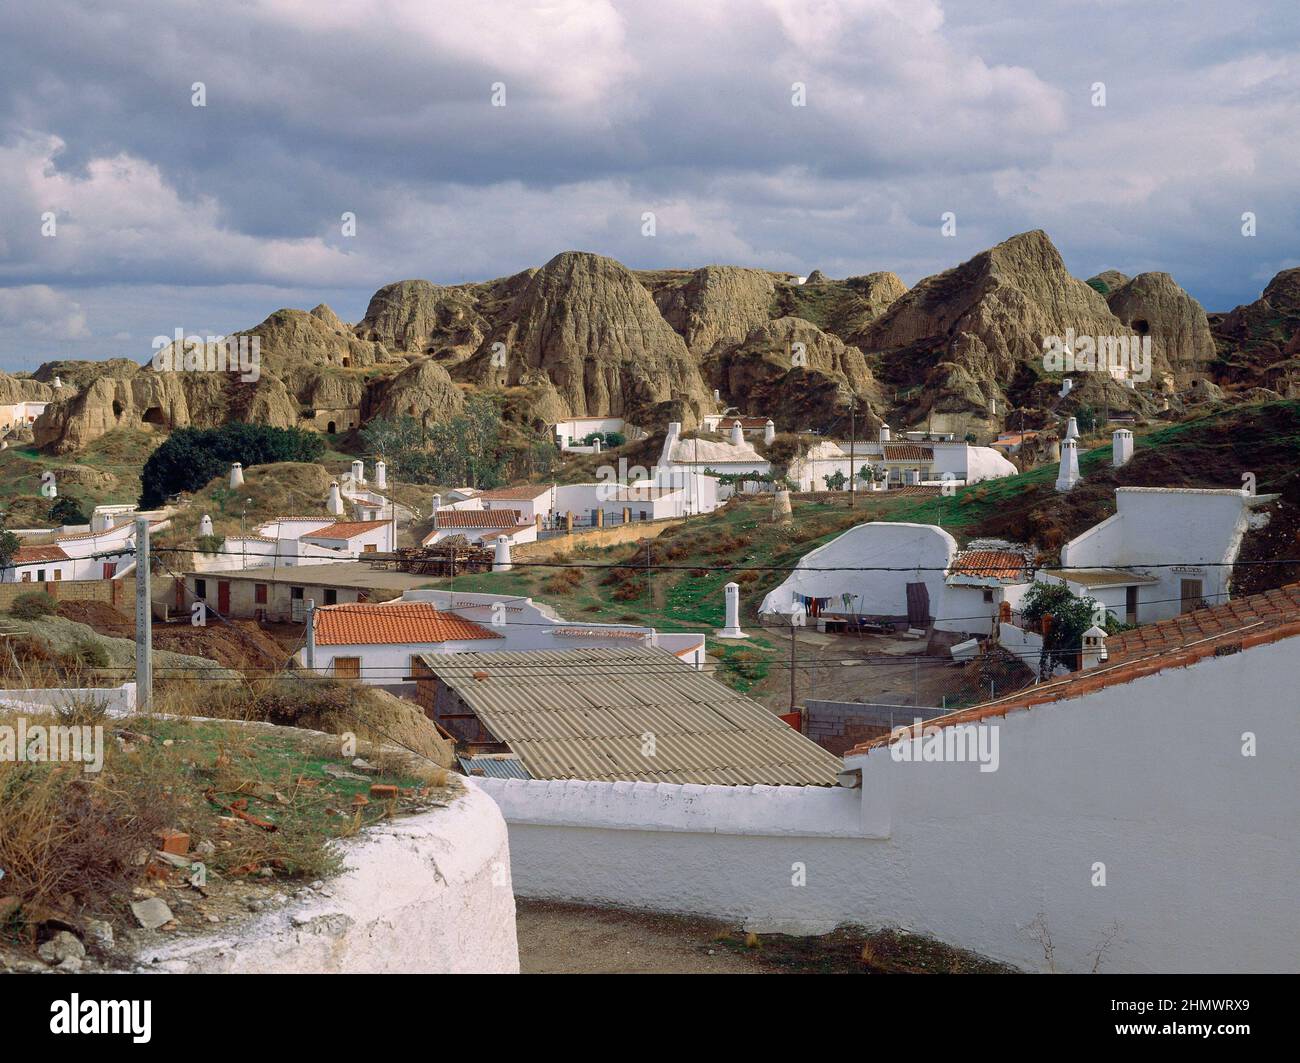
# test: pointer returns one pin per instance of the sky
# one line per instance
(471, 140)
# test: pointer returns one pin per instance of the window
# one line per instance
(331, 596)
(27, 577)
(988, 594)
(58, 573)
(200, 587)
(369, 548)
(347, 667)
(295, 593)
(40, 575)
(259, 593)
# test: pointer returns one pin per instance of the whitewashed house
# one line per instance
(484, 526)
(289, 541)
(1165, 551)
(378, 644)
(680, 457)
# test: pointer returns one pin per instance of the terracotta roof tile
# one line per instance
(506, 494)
(26, 555)
(345, 529)
(476, 518)
(1177, 643)
(907, 452)
(402, 623)
(989, 564)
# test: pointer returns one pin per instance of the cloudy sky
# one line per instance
(169, 215)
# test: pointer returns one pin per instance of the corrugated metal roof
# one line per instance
(585, 714)
(494, 767)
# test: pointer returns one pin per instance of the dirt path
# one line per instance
(573, 939)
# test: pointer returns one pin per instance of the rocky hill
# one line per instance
(961, 351)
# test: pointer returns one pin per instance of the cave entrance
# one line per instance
(1142, 327)
(347, 363)
(154, 415)
(331, 428)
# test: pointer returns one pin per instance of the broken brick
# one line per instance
(173, 841)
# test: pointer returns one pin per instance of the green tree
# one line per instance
(191, 457)
(67, 510)
(836, 480)
(1067, 618)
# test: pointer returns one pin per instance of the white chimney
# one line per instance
(1094, 647)
(1071, 429)
(737, 433)
(732, 630)
(236, 474)
(1121, 447)
(501, 561)
(717, 395)
(884, 433)
(205, 525)
(1069, 473)
(595, 446)
(437, 504)
(781, 510)
(334, 502)
(381, 473)
(58, 383)
(359, 471)
(769, 431)
(1067, 385)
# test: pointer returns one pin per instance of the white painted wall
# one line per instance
(1199, 529)
(419, 894)
(885, 544)
(1198, 842)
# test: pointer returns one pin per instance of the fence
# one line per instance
(117, 592)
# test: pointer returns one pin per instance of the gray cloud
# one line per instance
(219, 215)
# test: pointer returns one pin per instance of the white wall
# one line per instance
(1198, 841)
(886, 544)
(421, 894)
(1201, 529)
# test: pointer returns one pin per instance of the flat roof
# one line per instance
(350, 574)
(1101, 577)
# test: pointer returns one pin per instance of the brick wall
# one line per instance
(118, 592)
(838, 726)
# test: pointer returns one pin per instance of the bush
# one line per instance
(67, 510)
(192, 456)
(33, 606)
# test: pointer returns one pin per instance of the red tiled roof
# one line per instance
(476, 518)
(907, 452)
(506, 494)
(402, 623)
(988, 564)
(345, 529)
(27, 555)
(1251, 621)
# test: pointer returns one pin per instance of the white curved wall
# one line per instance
(422, 894)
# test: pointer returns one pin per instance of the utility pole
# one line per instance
(143, 620)
(853, 438)
(793, 705)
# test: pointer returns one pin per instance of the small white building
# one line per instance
(570, 433)
(483, 526)
(87, 555)
(379, 644)
(1165, 551)
(288, 541)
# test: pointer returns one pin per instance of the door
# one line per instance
(223, 597)
(297, 611)
(918, 605)
(1191, 595)
(347, 667)
(1130, 605)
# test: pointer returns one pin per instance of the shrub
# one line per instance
(33, 606)
(192, 456)
(67, 510)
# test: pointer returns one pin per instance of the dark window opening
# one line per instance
(331, 428)
(331, 596)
